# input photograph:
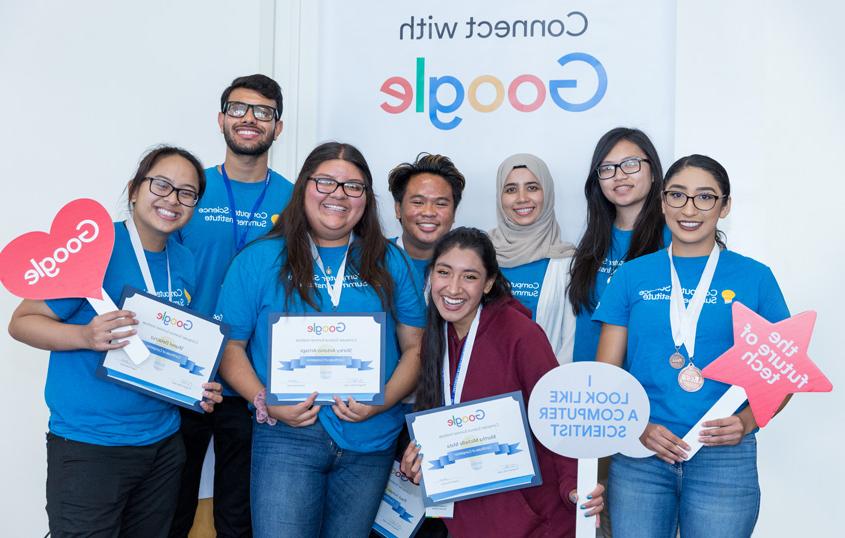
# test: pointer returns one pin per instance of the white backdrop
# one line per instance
(87, 86)
(362, 45)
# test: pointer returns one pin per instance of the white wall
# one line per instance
(87, 86)
(760, 89)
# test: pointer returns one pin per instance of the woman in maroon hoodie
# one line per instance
(510, 353)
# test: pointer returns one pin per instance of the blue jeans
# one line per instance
(303, 484)
(713, 495)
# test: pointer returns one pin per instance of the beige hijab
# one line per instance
(516, 244)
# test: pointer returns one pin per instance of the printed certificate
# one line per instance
(475, 448)
(185, 351)
(401, 511)
(331, 354)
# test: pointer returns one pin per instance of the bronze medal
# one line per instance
(677, 360)
(690, 378)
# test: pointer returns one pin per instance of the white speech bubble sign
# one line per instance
(589, 410)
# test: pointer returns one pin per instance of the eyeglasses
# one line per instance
(327, 185)
(236, 109)
(162, 188)
(629, 166)
(703, 202)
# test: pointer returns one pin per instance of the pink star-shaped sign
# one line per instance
(769, 360)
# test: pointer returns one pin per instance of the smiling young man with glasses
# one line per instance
(242, 200)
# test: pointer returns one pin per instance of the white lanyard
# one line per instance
(684, 320)
(401, 244)
(135, 239)
(336, 290)
(452, 392)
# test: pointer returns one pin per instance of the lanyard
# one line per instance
(337, 289)
(240, 238)
(452, 394)
(401, 244)
(684, 320)
(135, 239)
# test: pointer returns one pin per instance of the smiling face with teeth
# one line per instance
(332, 217)
(522, 197)
(624, 190)
(427, 212)
(458, 282)
(694, 230)
(246, 135)
(157, 217)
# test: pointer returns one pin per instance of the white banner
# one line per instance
(480, 80)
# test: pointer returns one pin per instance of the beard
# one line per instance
(258, 148)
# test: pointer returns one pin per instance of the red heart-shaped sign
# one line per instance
(70, 261)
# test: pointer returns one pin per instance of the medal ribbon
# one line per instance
(240, 238)
(452, 391)
(336, 290)
(684, 320)
(138, 248)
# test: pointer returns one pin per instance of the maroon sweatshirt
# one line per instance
(512, 353)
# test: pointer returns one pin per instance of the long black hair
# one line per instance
(712, 167)
(601, 213)
(430, 388)
(297, 274)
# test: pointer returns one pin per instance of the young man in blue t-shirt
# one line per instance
(242, 200)
(426, 194)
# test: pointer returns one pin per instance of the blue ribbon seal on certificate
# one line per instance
(182, 360)
(397, 507)
(469, 452)
(324, 360)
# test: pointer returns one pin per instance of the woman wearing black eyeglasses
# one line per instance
(114, 456)
(321, 470)
(665, 317)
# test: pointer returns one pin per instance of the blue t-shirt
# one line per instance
(527, 283)
(210, 234)
(420, 266)
(638, 298)
(89, 409)
(587, 331)
(252, 291)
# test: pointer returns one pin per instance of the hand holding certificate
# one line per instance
(184, 351)
(331, 354)
(475, 448)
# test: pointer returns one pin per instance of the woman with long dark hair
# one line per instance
(666, 316)
(510, 352)
(623, 222)
(529, 250)
(321, 471)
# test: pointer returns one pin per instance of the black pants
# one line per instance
(231, 425)
(96, 491)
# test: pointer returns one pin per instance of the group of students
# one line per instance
(507, 307)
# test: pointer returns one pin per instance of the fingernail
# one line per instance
(583, 507)
(587, 515)
(589, 497)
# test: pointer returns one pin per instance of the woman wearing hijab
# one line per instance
(529, 250)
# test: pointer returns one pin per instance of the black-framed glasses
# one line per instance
(704, 201)
(629, 166)
(163, 188)
(325, 185)
(237, 109)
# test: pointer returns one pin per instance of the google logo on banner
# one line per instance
(460, 421)
(400, 88)
(168, 320)
(320, 329)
